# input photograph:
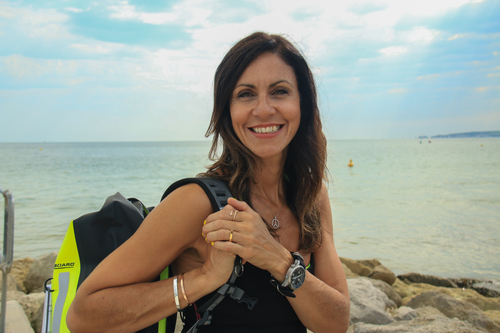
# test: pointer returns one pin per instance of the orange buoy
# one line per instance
(350, 164)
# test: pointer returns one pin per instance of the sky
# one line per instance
(118, 70)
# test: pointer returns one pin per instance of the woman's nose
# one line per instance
(264, 108)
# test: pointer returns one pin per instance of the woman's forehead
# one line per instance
(268, 67)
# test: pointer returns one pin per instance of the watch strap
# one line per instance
(286, 290)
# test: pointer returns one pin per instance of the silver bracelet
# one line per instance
(176, 295)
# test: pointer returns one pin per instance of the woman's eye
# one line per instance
(281, 92)
(244, 94)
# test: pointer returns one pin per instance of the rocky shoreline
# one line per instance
(380, 300)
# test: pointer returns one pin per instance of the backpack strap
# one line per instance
(218, 192)
(216, 189)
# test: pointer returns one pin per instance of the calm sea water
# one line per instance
(432, 208)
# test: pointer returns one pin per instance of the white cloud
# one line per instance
(429, 77)
(398, 91)
(124, 11)
(485, 89)
(393, 51)
(47, 24)
(74, 10)
(98, 48)
(422, 35)
(27, 68)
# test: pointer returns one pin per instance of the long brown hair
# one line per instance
(305, 163)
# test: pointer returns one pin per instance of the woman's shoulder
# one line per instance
(190, 197)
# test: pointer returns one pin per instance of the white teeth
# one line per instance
(269, 129)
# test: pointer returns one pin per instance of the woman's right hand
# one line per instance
(219, 264)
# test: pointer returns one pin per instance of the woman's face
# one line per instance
(265, 106)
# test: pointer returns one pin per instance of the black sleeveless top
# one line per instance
(272, 313)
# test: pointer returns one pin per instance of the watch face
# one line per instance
(297, 278)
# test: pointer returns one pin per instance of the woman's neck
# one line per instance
(268, 181)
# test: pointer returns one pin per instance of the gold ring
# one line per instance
(231, 236)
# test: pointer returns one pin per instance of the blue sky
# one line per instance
(142, 70)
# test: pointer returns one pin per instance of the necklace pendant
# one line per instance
(275, 223)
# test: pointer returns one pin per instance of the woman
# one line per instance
(274, 155)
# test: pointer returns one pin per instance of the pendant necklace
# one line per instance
(275, 223)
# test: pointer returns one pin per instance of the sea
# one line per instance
(426, 206)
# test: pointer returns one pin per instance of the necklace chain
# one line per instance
(275, 223)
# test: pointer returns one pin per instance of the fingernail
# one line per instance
(202, 234)
(212, 243)
(205, 222)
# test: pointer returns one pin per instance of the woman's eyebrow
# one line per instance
(278, 82)
(245, 85)
(271, 85)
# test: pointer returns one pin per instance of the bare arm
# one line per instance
(322, 302)
(119, 296)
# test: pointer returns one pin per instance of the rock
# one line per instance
(414, 290)
(452, 308)
(401, 288)
(16, 321)
(20, 269)
(356, 267)
(404, 313)
(31, 304)
(348, 273)
(383, 273)
(15, 295)
(485, 303)
(428, 279)
(11, 282)
(371, 263)
(368, 304)
(487, 288)
(389, 291)
(493, 315)
(429, 311)
(39, 272)
(418, 325)
(472, 296)
(37, 320)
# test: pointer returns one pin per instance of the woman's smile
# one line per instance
(266, 129)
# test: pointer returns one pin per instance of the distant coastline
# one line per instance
(488, 134)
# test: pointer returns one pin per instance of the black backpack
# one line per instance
(92, 237)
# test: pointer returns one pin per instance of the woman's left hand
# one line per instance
(250, 239)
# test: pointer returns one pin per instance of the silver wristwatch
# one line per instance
(294, 277)
(296, 274)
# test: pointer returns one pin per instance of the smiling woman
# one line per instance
(273, 158)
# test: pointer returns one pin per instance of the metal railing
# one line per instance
(8, 251)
